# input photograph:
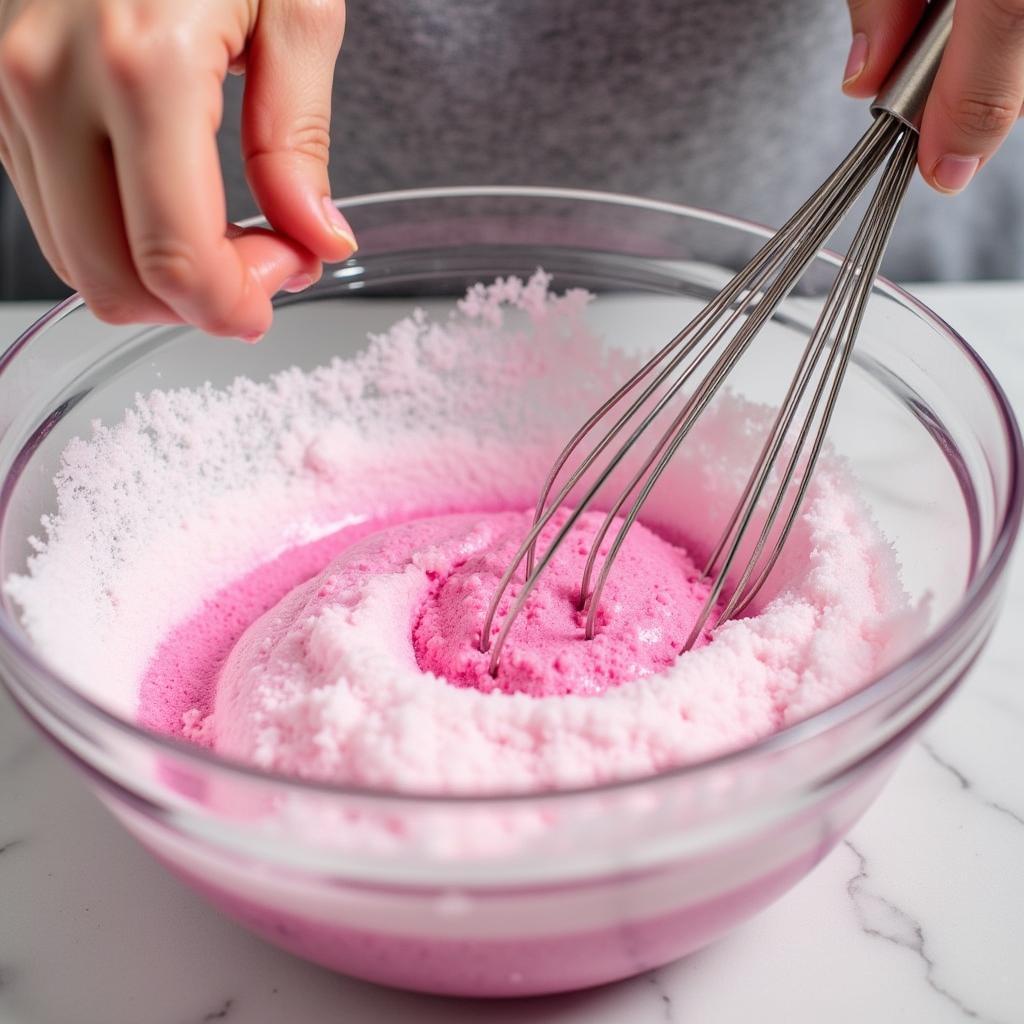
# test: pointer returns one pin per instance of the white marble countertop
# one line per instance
(918, 917)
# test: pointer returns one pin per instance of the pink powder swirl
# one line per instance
(647, 610)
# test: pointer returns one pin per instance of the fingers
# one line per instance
(172, 194)
(277, 262)
(881, 29)
(17, 159)
(76, 174)
(108, 117)
(977, 95)
(286, 118)
(25, 58)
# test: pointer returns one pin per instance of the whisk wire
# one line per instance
(679, 429)
(889, 208)
(724, 329)
(683, 423)
(845, 304)
(906, 173)
(870, 148)
(863, 159)
(819, 337)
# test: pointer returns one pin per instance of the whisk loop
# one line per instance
(693, 366)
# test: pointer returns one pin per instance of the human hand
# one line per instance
(978, 92)
(108, 117)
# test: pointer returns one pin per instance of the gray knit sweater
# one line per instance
(728, 104)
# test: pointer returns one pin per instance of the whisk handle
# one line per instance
(907, 87)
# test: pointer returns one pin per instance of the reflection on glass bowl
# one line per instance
(588, 885)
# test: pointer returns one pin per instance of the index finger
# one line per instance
(163, 138)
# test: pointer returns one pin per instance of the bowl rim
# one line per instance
(876, 690)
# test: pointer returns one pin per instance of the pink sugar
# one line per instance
(178, 687)
(330, 682)
(647, 610)
(375, 681)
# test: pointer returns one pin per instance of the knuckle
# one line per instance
(217, 319)
(121, 54)
(110, 309)
(310, 135)
(166, 267)
(124, 65)
(219, 325)
(1006, 16)
(24, 58)
(134, 47)
(983, 116)
(215, 312)
(172, 271)
(114, 302)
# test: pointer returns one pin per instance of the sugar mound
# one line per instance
(647, 609)
(158, 513)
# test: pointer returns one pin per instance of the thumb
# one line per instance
(881, 29)
(978, 93)
(286, 117)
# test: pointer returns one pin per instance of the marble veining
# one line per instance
(221, 1013)
(880, 918)
(1002, 704)
(915, 919)
(966, 784)
(668, 1012)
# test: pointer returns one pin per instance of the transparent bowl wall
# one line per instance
(582, 887)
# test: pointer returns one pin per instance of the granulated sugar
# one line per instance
(398, 480)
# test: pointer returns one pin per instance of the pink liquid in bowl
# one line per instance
(164, 516)
(557, 956)
(463, 955)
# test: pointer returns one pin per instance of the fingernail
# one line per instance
(339, 225)
(857, 59)
(251, 339)
(953, 173)
(297, 283)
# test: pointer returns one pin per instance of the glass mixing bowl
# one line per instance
(579, 887)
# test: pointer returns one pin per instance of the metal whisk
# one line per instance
(704, 352)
